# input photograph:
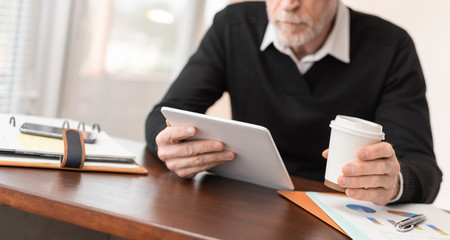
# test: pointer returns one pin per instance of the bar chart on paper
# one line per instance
(365, 220)
(404, 214)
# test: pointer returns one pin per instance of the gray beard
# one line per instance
(295, 40)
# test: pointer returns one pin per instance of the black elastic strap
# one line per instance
(73, 149)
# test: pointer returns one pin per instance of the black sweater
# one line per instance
(382, 83)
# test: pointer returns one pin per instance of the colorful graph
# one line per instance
(392, 222)
(437, 230)
(404, 214)
(417, 227)
(374, 221)
(357, 207)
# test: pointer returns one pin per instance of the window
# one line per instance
(140, 39)
(123, 56)
(19, 21)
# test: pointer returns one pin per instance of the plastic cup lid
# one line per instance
(358, 126)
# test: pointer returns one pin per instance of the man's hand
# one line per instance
(374, 177)
(187, 159)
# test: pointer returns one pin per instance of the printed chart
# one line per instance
(364, 220)
(366, 209)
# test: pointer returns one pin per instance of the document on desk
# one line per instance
(365, 220)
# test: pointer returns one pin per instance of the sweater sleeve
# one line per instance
(403, 112)
(199, 85)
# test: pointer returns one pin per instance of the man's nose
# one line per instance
(291, 5)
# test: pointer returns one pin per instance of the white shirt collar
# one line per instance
(336, 45)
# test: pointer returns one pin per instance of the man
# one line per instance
(313, 60)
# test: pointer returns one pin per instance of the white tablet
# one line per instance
(256, 157)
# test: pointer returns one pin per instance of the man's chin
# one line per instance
(292, 41)
(296, 39)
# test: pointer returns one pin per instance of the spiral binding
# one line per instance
(81, 125)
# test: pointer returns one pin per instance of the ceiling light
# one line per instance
(160, 16)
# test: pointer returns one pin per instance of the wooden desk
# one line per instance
(161, 205)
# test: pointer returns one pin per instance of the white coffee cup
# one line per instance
(348, 135)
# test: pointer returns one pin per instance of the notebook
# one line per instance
(24, 150)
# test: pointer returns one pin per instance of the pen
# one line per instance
(408, 224)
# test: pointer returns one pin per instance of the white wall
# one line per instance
(428, 22)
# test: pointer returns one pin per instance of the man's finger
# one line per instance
(375, 151)
(189, 149)
(184, 167)
(377, 167)
(373, 181)
(174, 134)
(325, 154)
(199, 160)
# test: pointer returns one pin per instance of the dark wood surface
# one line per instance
(161, 205)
